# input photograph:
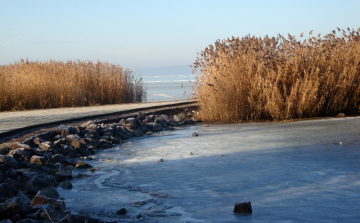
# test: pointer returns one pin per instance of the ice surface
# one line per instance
(291, 172)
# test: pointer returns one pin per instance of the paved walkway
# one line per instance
(12, 122)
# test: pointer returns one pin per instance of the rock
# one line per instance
(80, 147)
(90, 140)
(59, 158)
(121, 211)
(147, 119)
(94, 133)
(50, 192)
(49, 212)
(35, 184)
(134, 123)
(115, 140)
(93, 127)
(45, 146)
(18, 145)
(47, 136)
(195, 134)
(15, 218)
(68, 150)
(136, 133)
(122, 121)
(172, 122)
(341, 115)
(160, 160)
(191, 154)
(60, 176)
(38, 141)
(60, 142)
(12, 174)
(107, 131)
(104, 144)
(66, 185)
(4, 151)
(156, 127)
(14, 206)
(141, 115)
(82, 165)
(27, 175)
(59, 205)
(39, 199)
(72, 138)
(158, 120)
(178, 118)
(82, 219)
(58, 137)
(87, 124)
(51, 179)
(20, 154)
(243, 207)
(4, 159)
(5, 191)
(164, 125)
(205, 125)
(63, 130)
(37, 151)
(144, 128)
(38, 160)
(123, 133)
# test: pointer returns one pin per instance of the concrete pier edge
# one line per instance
(9, 133)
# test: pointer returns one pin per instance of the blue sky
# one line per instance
(141, 34)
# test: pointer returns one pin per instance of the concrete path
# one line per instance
(13, 122)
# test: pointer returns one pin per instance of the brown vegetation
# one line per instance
(52, 84)
(279, 78)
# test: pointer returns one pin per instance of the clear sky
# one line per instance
(154, 33)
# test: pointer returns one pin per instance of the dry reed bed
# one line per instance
(52, 84)
(279, 78)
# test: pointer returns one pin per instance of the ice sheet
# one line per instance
(291, 172)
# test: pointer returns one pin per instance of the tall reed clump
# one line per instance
(279, 78)
(52, 84)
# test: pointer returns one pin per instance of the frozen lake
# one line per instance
(305, 171)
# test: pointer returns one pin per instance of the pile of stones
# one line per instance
(31, 170)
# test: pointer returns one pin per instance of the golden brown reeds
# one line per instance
(279, 78)
(52, 84)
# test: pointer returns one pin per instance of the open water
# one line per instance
(167, 83)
